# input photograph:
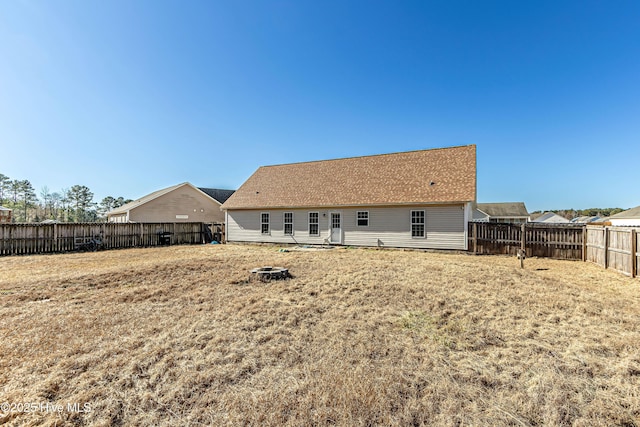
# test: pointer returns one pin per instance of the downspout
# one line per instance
(226, 226)
(468, 213)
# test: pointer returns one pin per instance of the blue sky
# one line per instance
(127, 97)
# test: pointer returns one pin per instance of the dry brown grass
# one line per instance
(174, 336)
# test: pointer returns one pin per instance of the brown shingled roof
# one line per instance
(386, 179)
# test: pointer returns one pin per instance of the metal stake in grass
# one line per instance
(522, 252)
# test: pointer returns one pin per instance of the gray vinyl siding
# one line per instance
(388, 227)
(245, 226)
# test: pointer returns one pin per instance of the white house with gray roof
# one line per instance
(630, 217)
(551, 218)
(506, 212)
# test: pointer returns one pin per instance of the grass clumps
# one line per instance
(166, 336)
(445, 331)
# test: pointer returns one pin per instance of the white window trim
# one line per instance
(424, 224)
(316, 223)
(357, 219)
(284, 224)
(268, 223)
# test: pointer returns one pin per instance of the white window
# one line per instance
(417, 224)
(288, 223)
(264, 223)
(362, 219)
(314, 221)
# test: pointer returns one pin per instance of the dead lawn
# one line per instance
(175, 336)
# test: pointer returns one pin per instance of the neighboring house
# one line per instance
(551, 218)
(630, 217)
(586, 219)
(509, 212)
(601, 221)
(179, 203)
(5, 215)
(417, 199)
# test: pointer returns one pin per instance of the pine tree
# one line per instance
(81, 198)
(4, 188)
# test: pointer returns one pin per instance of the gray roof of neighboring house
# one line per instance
(2, 208)
(629, 213)
(585, 219)
(217, 194)
(552, 218)
(506, 209)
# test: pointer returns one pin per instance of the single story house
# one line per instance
(551, 218)
(179, 203)
(630, 217)
(5, 215)
(416, 199)
(508, 212)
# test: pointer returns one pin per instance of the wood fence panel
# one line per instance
(614, 247)
(596, 249)
(541, 240)
(619, 250)
(26, 239)
(189, 233)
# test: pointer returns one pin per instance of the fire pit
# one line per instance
(267, 274)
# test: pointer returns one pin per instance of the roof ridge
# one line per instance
(367, 156)
(442, 175)
(147, 198)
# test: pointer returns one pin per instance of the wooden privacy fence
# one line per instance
(25, 239)
(615, 248)
(610, 247)
(540, 240)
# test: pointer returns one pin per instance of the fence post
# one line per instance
(523, 243)
(606, 248)
(634, 249)
(584, 243)
(475, 238)
(56, 245)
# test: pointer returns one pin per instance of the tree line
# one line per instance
(74, 204)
